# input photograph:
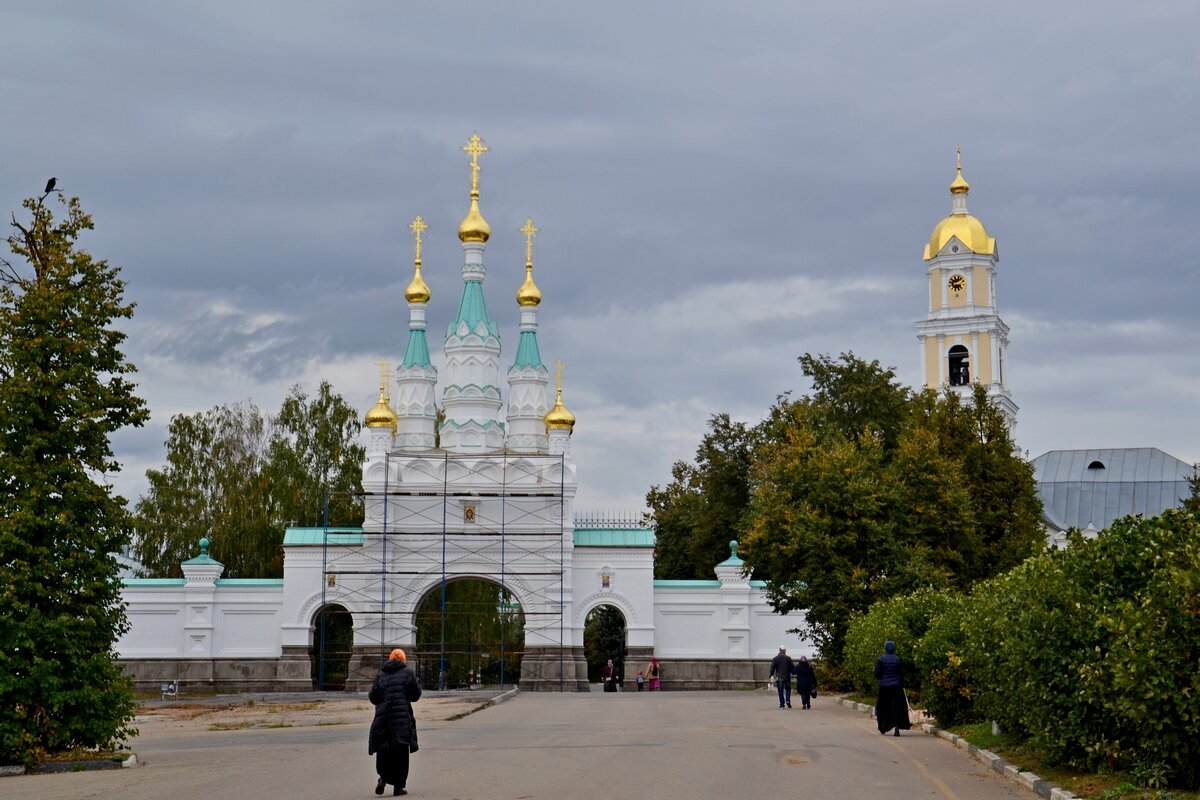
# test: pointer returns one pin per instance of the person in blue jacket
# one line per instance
(891, 710)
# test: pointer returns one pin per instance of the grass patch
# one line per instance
(322, 723)
(231, 726)
(1102, 786)
(276, 725)
(82, 754)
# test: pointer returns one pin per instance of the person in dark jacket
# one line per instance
(806, 682)
(781, 670)
(394, 729)
(891, 710)
(611, 676)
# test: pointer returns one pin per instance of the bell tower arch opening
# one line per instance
(959, 366)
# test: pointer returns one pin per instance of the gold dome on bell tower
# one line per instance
(960, 223)
(474, 228)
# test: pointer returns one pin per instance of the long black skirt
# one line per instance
(392, 765)
(891, 710)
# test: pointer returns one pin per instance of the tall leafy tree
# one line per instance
(239, 477)
(64, 391)
(863, 491)
(697, 514)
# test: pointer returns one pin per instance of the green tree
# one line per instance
(239, 478)
(697, 514)
(63, 393)
(1192, 501)
(863, 491)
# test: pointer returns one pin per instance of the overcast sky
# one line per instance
(720, 187)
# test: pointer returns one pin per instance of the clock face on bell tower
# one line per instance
(957, 283)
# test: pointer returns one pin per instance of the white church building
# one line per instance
(462, 489)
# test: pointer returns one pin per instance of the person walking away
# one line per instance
(781, 671)
(394, 728)
(610, 677)
(806, 682)
(654, 674)
(891, 710)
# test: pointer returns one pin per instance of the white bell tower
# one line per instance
(963, 339)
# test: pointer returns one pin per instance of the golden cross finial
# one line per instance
(959, 152)
(476, 148)
(418, 227)
(530, 230)
(558, 371)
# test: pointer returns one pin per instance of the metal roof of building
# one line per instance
(1097, 487)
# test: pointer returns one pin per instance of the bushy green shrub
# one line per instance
(1093, 651)
(903, 620)
(948, 688)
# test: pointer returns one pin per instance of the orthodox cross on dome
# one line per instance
(558, 371)
(476, 148)
(418, 227)
(530, 230)
(958, 152)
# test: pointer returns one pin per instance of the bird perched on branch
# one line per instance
(50, 184)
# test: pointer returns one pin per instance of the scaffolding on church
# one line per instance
(463, 539)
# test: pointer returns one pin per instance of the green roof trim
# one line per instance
(276, 582)
(472, 310)
(136, 583)
(417, 352)
(294, 537)
(527, 351)
(758, 584)
(485, 424)
(614, 537)
(687, 584)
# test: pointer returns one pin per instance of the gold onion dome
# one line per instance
(960, 224)
(474, 228)
(381, 414)
(529, 294)
(559, 418)
(418, 290)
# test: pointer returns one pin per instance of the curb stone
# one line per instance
(1039, 786)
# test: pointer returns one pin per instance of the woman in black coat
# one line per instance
(394, 729)
(891, 710)
(806, 682)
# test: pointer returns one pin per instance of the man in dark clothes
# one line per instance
(781, 671)
(806, 682)
(891, 710)
(394, 729)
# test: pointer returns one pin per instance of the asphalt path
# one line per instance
(580, 746)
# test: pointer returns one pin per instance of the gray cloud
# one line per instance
(718, 191)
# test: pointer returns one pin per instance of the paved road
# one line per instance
(694, 745)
